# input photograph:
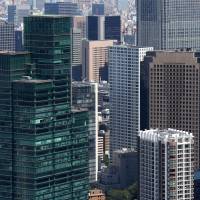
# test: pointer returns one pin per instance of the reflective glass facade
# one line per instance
(12, 67)
(104, 28)
(43, 143)
(92, 33)
(49, 41)
(64, 174)
(48, 163)
(113, 28)
(85, 95)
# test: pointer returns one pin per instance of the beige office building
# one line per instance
(171, 80)
(94, 58)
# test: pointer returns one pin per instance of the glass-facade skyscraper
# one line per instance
(43, 140)
(85, 95)
(48, 38)
(104, 28)
(12, 66)
(166, 24)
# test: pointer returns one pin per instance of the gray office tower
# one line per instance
(85, 96)
(62, 8)
(7, 36)
(124, 78)
(167, 24)
(12, 13)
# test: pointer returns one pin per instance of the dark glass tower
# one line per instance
(113, 28)
(43, 142)
(12, 67)
(64, 142)
(93, 33)
(104, 28)
(33, 140)
(49, 41)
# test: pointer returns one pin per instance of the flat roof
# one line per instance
(49, 16)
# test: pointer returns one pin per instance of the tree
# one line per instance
(133, 190)
(131, 193)
(119, 195)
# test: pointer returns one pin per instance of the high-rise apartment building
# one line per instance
(104, 27)
(166, 24)
(170, 92)
(7, 36)
(166, 164)
(77, 46)
(124, 79)
(95, 58)
(85, 96)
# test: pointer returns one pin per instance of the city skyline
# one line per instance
(99, 99)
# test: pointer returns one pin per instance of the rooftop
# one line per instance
(48, 16)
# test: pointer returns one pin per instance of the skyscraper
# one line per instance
(95, 58)
(166, 164)
(78, 34)
(7, 36)
(104, 27)
(12, 66)
(12, 13)
(166, 24)
(124, 78)
(85, 96)
(113, 28)
(62, 8)
(53, 155)
(95, 27)
(79, 22)
(170, 92)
